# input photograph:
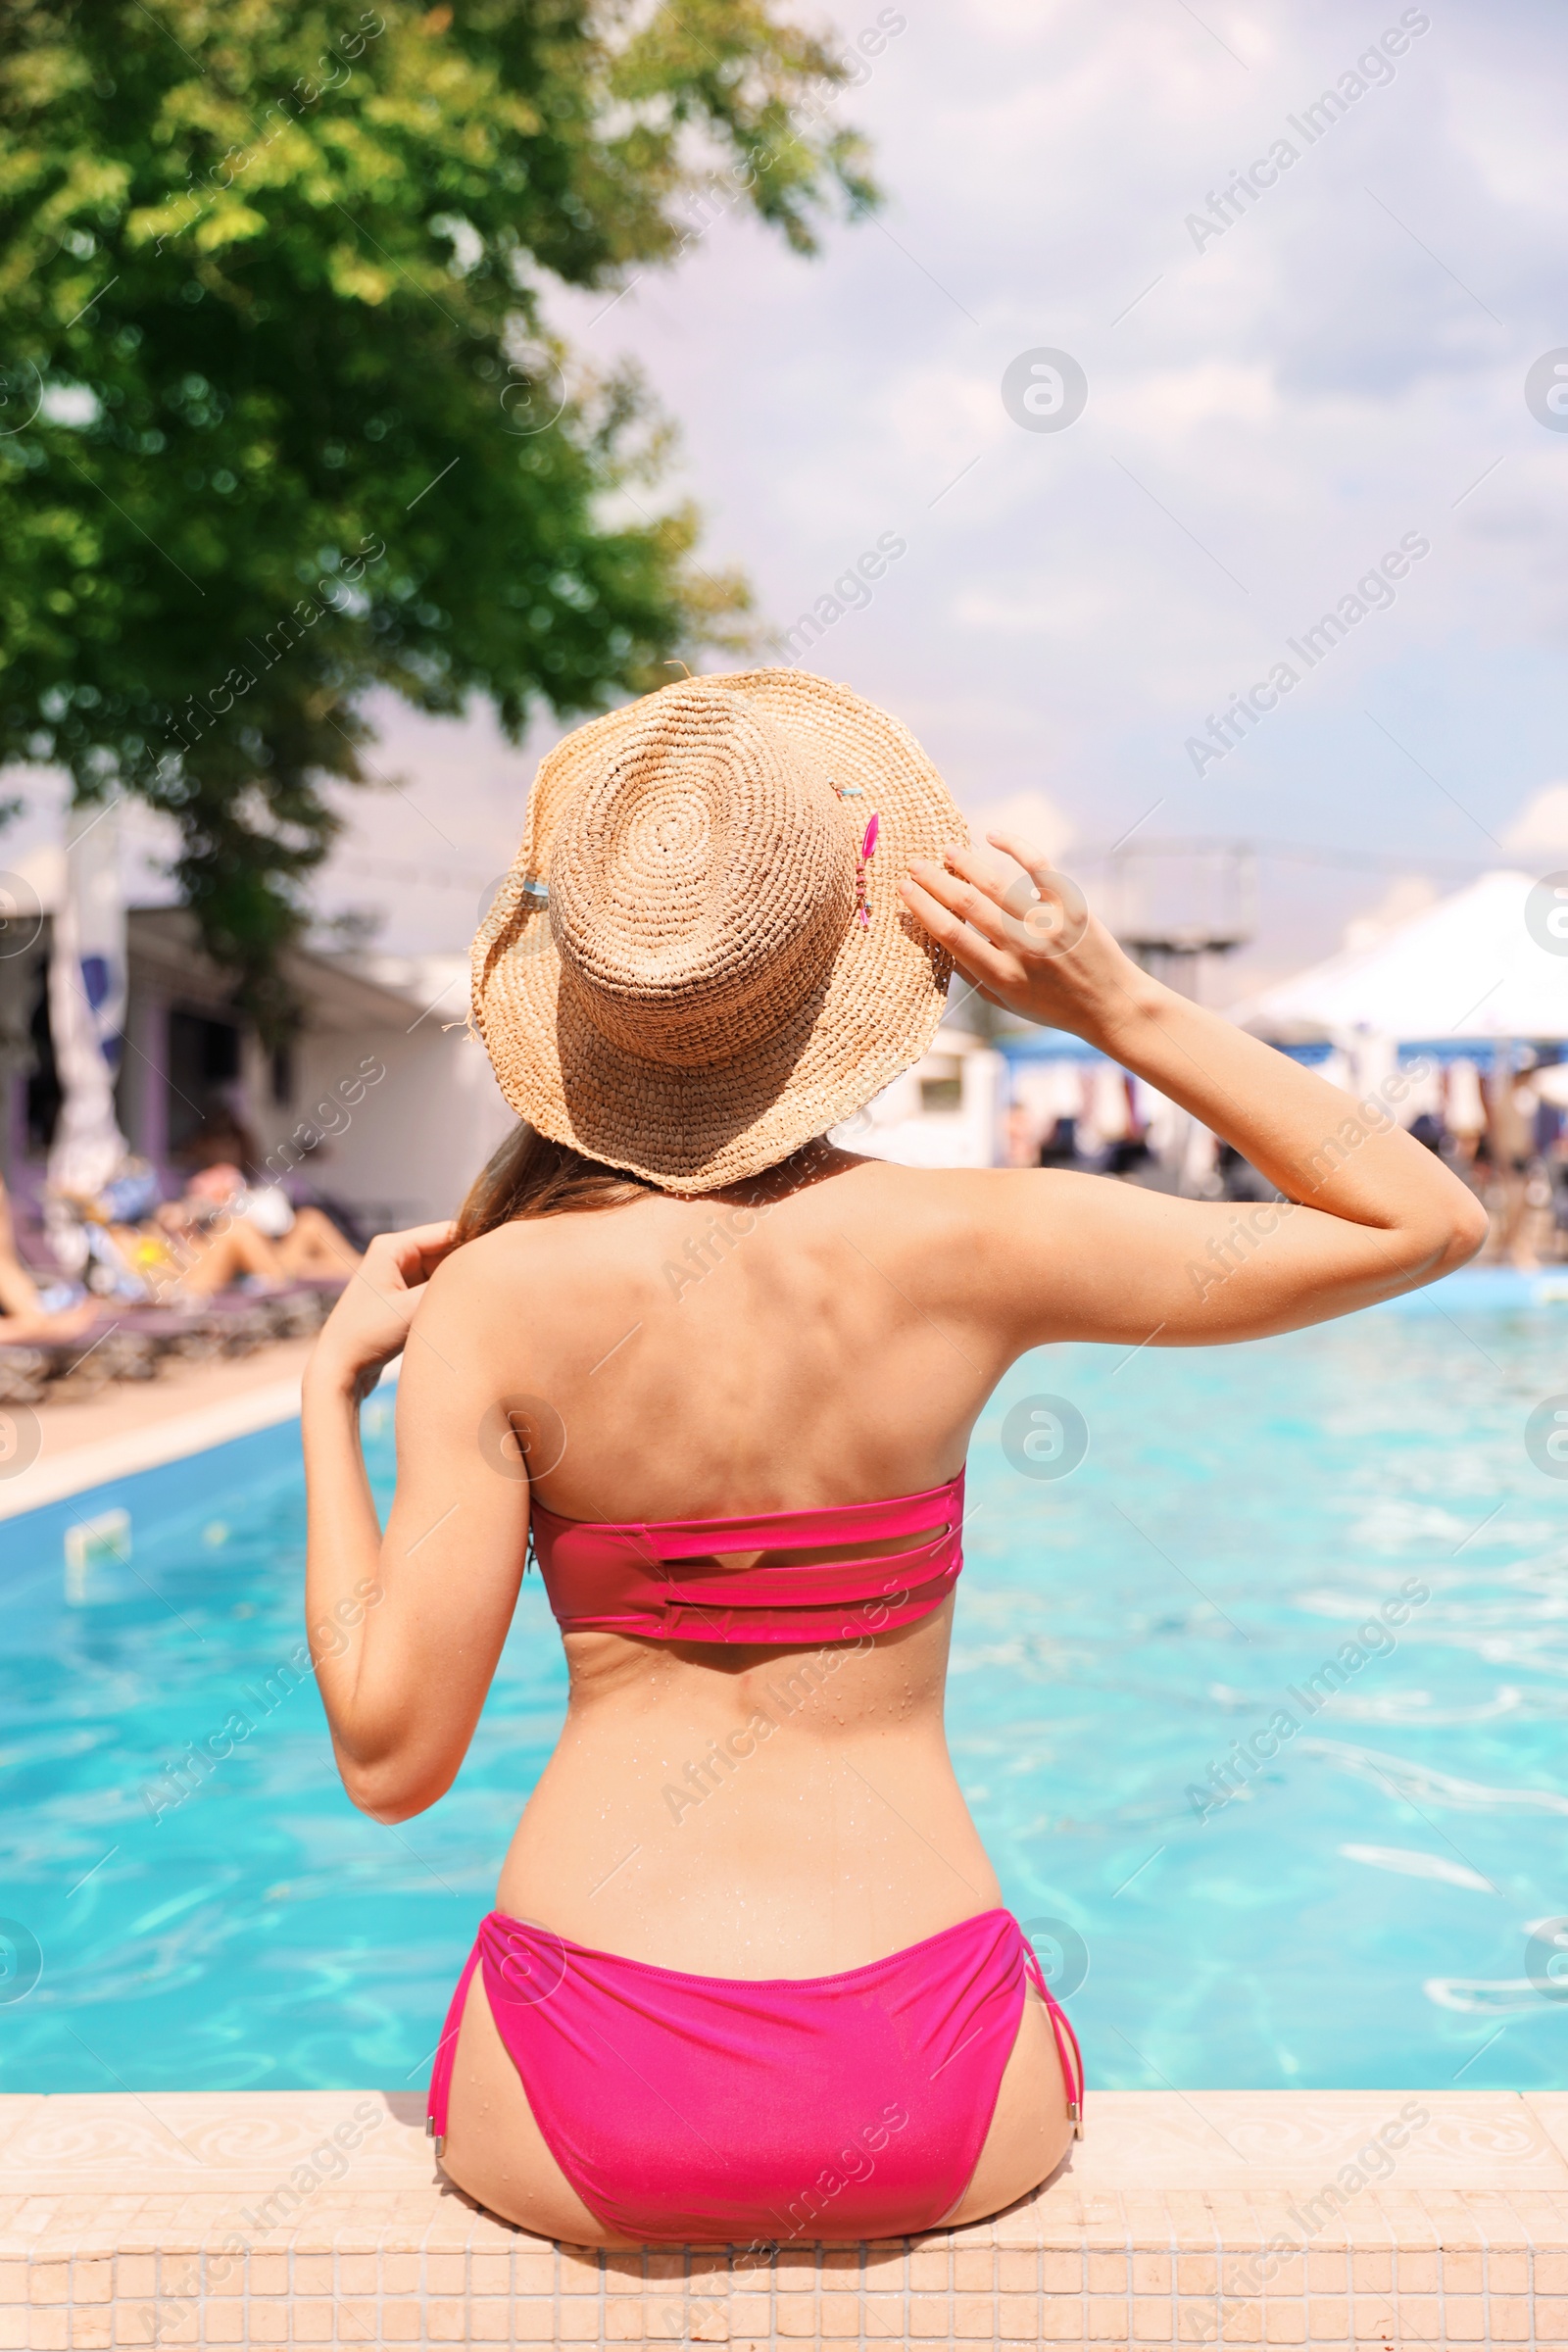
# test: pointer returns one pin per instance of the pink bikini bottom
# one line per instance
(688, 2108)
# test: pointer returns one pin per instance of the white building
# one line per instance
(380, 1102)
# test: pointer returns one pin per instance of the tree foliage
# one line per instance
(281, 418)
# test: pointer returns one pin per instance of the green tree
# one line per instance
(281, 418)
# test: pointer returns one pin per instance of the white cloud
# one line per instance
(1033, 815)
(1542, 825)
(1409, 895)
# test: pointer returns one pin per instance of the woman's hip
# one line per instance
(666, 2106)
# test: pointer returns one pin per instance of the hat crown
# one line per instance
(701, 886)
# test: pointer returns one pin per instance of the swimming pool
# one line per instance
(1357, 1909)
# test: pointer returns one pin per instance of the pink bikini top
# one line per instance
(666, 1581)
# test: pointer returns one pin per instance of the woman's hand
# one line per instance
(369, 1323)
(1026, 942)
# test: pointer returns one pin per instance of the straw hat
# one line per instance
(697, 961)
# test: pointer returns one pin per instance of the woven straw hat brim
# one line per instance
(871, 1014)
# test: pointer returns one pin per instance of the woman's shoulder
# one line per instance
(487, 1270)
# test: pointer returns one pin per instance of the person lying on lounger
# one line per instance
(219, 1233)
(24, 1321)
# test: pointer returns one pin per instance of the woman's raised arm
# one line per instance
(406, 1627)
(1365, 1211)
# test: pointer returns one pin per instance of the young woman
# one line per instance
(749, 1976)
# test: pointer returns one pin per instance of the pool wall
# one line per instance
(1248, 2219)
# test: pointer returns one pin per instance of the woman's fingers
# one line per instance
(1027, 854)
(990, 891)
(409, 1257)
(930, 894)
(968, 889)
(1052, 909)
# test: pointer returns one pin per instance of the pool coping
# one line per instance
(68, 1470)
(1242, 2218)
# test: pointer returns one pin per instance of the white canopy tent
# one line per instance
(1486, 963)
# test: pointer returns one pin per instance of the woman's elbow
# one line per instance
(1468, 1229)
(393, 1788)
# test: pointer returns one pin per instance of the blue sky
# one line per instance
(1269, 410)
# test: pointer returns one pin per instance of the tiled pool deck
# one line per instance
(317, 2218)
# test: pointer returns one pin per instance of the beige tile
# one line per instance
(1372, 2271)
(447, 2275)
(1062, 2322)
(577, 2321)
(488, 2319)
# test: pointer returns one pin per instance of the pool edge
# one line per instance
(1247, 2218)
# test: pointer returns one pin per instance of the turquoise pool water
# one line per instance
(1359, 1912)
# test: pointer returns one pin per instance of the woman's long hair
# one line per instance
(531, 1176)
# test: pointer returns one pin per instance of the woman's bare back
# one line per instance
(736, 1811)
